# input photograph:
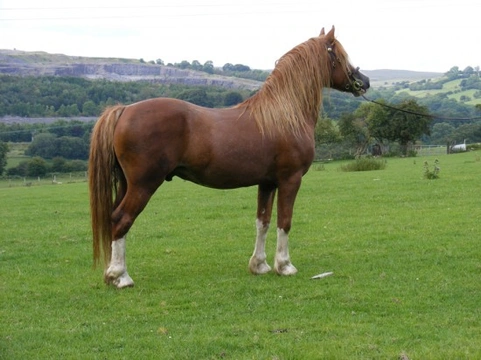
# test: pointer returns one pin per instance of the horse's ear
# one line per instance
(330, 35)
(322, 32)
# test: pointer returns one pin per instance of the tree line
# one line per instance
(50, 96)
(62, 146)
(237, 70)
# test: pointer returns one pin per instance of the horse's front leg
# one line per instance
(265, 199)
(285, 205)
(116, 273)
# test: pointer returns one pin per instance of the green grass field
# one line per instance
(451, 86)
(405, 252)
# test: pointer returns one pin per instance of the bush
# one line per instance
(474, 147)
(37, 167)
(364, 164)
(431, 174)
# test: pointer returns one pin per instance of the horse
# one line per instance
(265, 141)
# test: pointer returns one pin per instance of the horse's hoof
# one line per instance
(285, 269)
(124, 281)
(258, 268)
(120, 281)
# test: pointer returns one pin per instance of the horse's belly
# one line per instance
(221, 177)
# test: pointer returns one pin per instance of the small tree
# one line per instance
(37, 167)
(58, 164)
(354, 131)
(408, 126)
(43, 145)
(404, 123)
(208, 67)
(326, 132)
(232, 98)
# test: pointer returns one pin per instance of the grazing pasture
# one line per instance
(405, 252)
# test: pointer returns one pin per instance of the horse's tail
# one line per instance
(103, 170)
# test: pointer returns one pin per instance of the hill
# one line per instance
(453, 89)
(387, 77)
(22, 63)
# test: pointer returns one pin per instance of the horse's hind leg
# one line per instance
(285, 204)
(123, 217)
(265, 199)
(116, 274)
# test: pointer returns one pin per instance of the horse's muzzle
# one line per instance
(359, 83)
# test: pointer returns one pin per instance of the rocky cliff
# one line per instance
(21, 63)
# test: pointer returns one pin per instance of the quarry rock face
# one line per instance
(20, 63)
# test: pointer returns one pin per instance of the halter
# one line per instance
(355, 84)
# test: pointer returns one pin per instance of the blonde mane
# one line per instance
(293, 91)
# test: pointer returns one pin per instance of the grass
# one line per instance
(404, 251)
(364, 164)
(451, 86)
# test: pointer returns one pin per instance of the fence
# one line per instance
(430, 150)
(53, 179)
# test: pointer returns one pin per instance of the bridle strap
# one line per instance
(355, 84)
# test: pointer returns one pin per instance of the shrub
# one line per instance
(474, 147)
(431, 174)
(364, 164)
(412, 153)
(318, 167)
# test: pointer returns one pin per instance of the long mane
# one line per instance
(293, 91)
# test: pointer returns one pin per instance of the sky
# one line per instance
(418, 35)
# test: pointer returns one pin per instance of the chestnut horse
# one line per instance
(268, 140)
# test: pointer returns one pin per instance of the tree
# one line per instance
(404, 123)
(37, 167)
(353, 129)
(196, 96)
(442, 133)
(453, 73)
(208, 67)
(228, 67)
(468, 71)
(241, 68)
(378, 123)
(468, 132)
(3, 156)
(58, 164)
(49, 146)
(232, 98)
(184, 64)
(70, 147)
(43, 145)
(89, 108)
(326, 132)
(196, 65)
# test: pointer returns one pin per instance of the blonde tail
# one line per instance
(102, 171)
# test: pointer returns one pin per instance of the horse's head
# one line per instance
(344, 76)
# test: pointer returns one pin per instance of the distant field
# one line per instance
(451, 86)
(16, 154)
(405, 253)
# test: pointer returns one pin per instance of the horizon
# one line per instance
(149, 61)
(415, 35)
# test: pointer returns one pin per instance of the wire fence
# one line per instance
(51, 179)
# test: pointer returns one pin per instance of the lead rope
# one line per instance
(420, 114)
